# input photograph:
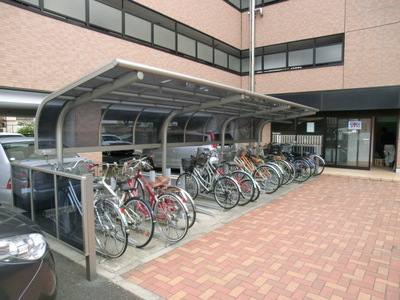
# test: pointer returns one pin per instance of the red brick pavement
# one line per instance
(332, 238)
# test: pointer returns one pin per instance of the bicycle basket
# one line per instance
(230, 156)
(202, 156)
(188, 164)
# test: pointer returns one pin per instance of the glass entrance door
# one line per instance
(348, 142)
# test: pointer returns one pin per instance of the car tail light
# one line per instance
(24, 180)
(9, 186)
(212, 138)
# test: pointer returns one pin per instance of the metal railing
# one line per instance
(300, 143)
(50, 208)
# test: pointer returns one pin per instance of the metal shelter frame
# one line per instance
(128, 85)
(71, 120)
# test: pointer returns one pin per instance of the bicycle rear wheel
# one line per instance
(110, 231)
(140, 220)
(171, 217)
(227, 192)
(189, 183)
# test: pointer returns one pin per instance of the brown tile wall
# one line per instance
(213, 17)
(41, 53)
(296, 20)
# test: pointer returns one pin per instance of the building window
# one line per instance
(97, 13)
(327, 54)
(303, 54)
(137, 23)
(34, 2)
(137, 28)
(72, 8)
(221, 58)
(275, 61)
(204, 52)
(164, 37)
(186, 45)
(300, 58)
(234, 63)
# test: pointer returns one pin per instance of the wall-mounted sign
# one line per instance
(355, 125)
(310, 127)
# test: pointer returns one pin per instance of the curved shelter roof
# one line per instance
(144, 105)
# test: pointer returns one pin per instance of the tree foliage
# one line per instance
(26, 128)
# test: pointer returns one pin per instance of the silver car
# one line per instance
(22, 149)
(175, 154)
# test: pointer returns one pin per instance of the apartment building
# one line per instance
(340, 56)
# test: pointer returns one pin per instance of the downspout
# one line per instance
(251, 47)
(252, 12)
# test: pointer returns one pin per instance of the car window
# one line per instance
(24, 150)
(228, 137)
(176, 138)
(111, 138)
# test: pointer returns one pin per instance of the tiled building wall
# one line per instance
(213, 17)
(295, 20)
(41, 53)
(372, 43)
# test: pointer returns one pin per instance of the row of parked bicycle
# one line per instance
(243, 175)
(128, 208)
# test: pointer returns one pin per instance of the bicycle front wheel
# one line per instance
(187, 200)
(110, 231)
(247, 186)
(267, 178)
(319, 163)
(303, 170)
(140, 220)
(227, 192)
(171, 217)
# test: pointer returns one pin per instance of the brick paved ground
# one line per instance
(332, 238)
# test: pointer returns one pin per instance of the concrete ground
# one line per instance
(336, 236)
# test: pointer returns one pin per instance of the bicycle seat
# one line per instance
(235, 164)
(256, 160)
(162, 179)
(98, 186)
(161, 182)
(127, 187)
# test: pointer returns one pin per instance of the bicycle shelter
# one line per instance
(145, 106)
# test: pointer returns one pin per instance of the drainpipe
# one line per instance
(164, 132)
(252, 11)
(251, 47)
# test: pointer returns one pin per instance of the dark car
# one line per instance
(27, 269)
(114, 140)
